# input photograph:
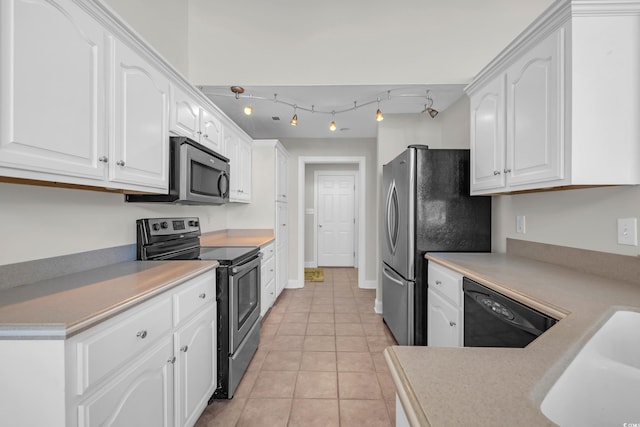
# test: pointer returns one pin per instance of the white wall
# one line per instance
(335, 148)
(43, 222)
(162, 23)
(336, 42)
(584, 219)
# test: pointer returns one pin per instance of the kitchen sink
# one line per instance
(601, 386)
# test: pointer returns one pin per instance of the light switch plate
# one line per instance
(521, 224)
(628, 231)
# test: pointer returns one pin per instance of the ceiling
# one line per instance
(270, 120)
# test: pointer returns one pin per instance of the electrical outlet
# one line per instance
(521, 225)
(628, 231)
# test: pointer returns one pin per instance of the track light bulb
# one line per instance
(379, 116)
(248, 109)
(332, 126)
(294, 120)
(433, 113)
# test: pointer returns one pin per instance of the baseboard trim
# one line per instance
(293, 284)
(378, 307)
(369, 284)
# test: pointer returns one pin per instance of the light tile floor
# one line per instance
(319, 363)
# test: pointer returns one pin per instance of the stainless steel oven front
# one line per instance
(244, 300)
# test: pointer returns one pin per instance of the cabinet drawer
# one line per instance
(268, 270)
(121, 339)
(446, 282)
(198, 294)
(444, 322)
(267, 252)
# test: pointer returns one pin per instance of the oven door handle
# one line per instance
(247, 265)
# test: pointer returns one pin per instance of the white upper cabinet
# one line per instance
(282, 174)
(534, 103)
(488, 136)
(189, 119)
(52, 81)
(141, 104)
(559, 106)
(78, 105)
(239, 151)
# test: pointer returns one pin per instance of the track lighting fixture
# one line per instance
(428, 107)
(379, 116)
(238, 92)
(332, 125)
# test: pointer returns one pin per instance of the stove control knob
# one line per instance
(164, 224)
(193, 223)
(156, 226)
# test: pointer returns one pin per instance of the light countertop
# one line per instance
(504, 386)
(237, 237)
(61, 307)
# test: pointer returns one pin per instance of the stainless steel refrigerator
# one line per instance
(427, 208)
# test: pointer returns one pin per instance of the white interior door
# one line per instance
(336, 220)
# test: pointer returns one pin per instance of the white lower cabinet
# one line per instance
(142, 395)
(444, 307)
(401, 416)
(151, 365)
(195, 374)
(267, 278)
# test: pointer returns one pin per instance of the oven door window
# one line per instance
(245, 303)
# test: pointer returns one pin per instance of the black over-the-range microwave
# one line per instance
(197, 176)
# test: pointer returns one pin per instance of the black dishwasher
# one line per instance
(493, 320)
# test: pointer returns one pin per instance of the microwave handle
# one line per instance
(223, 184)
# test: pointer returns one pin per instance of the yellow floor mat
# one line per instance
(313, 275)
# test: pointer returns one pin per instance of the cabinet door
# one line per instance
(140, 396)
(196, 374)
(282, 268)
(488, 137)
(140, 143)
(185, 114)
(232, 145)
(52, 81)
(211, 128)
(282, 224)
(535, 91)
(282, 176)
(244, 150)
(444, 322)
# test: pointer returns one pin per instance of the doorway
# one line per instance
(336, 218)
(360, 171)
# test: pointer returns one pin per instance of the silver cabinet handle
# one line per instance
(271, 270)
(497, 172)
(172, 360)
(284, 225)
(205, 135)
(120, 163)
(142, 334)
(184, 348)
(452, 323)
(284, 195)
(319, 225)
(507, 170)
(199, 132)
(438, 282)
(103, 159)
(202, 296)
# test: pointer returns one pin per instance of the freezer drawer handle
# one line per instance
(391, 278)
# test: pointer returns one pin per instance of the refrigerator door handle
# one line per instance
(386, 272)
(391, 217)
